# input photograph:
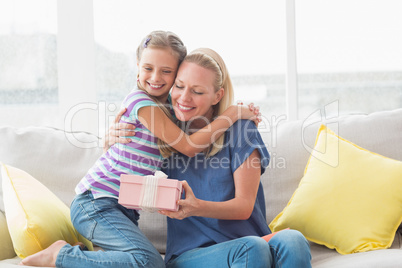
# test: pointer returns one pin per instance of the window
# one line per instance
(349, 52)
(250, 36)
(28, 66)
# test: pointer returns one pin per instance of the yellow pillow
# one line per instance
(349, 199)
(35, 216)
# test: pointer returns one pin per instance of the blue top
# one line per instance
(211, 179)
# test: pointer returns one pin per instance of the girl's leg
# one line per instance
(112, 227)
(249, 251)
(289, 248)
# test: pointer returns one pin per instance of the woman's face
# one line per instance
(157, 70)
(193, 93)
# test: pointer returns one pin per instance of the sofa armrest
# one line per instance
(6, 245)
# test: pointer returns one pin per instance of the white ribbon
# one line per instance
(149, 191)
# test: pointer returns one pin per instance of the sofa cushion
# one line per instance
(391, 258)
(11, 263)
(349, 198)
(36, 218)
(323, 257)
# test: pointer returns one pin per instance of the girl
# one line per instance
(95, 211)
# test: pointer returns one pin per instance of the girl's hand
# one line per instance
(250, 112)
(187, 207)
(118, 131)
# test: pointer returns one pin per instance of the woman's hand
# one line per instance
(118, 131)
(240, 207)
(187, 207)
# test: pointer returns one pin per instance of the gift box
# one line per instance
(149, 193)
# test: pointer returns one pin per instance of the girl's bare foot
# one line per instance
(46, 257)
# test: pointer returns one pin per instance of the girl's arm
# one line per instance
(246, 178)
(156, 121)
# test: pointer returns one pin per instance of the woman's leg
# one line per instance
(108, 225)
(249, 251)
(289, 248)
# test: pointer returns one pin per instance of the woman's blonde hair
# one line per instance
(162, 40)
(209, 59)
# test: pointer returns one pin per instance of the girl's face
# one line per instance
(193, 93)
(157, 70)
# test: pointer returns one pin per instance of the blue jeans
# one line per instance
(288, 248)
(112, 227)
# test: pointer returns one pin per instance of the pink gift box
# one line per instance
(168, 192)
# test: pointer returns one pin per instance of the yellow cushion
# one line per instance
(349, 198)
(35, 216)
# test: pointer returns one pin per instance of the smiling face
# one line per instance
(157, 71)
(193, 94)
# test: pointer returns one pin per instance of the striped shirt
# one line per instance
(140, 157)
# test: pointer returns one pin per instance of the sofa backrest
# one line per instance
(55, 158)
(59, 160)
(290, 144)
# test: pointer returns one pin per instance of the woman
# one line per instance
(222, 217)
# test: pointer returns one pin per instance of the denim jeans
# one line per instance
(112, 227)
(288, 248)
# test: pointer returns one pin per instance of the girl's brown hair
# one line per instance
(163, 40)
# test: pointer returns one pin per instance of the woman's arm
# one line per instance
(246, 178)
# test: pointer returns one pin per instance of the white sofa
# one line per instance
(56, 159)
